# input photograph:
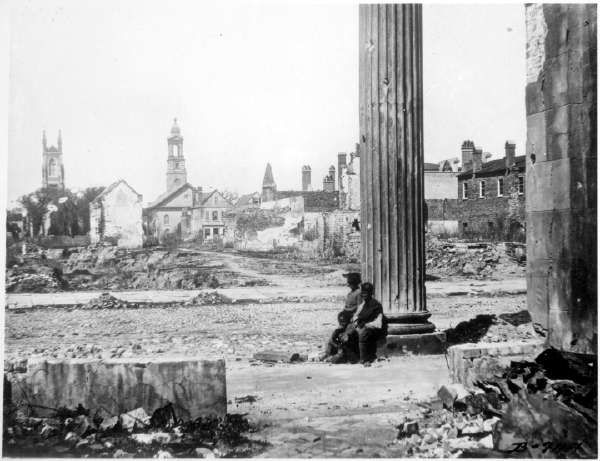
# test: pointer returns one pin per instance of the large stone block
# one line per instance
(425, 343)
(474, 362)
(194, 386)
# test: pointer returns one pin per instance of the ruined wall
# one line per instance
(294, 204)
(561, 99)
(314, 201)
(440, 185)
(340, 236)
(63, 241)
(442, 209)
(501, 211)
(122, 217)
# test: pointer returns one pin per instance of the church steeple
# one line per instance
(53, 171)
(176, 172)
(269, 188)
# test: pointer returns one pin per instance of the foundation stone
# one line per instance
(194, 386)
(474, 362)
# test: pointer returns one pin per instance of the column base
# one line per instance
(412, 333)
(421, 343)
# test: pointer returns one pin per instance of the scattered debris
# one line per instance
(451, 257)
(107, 301)
(546, 408)
(209, 298)
(278, 356)
(70, 433)
(491, 329)
(453, 394)
(246, 399)
(137, 418)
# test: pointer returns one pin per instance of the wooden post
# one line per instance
(391, 142)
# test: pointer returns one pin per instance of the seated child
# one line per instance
(343, 344)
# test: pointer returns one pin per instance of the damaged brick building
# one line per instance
(491, 195)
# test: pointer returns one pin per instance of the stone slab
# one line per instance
(425, 343)
(481, 361)
(196, 387)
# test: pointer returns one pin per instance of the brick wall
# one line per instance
(442, 209)
(492, 215)
(314, 201)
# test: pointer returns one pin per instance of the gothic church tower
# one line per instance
(176, 173)
(53, 171)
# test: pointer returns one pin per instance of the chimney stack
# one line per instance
(467, 155)
(477, 159)
(306, 173)
(342, 163)
(332, 175)
(509, 151)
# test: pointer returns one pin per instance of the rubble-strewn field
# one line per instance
(235, 332)
(302, 409)
(110, 268)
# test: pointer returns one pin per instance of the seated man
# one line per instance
(370, 323)
(353, 299)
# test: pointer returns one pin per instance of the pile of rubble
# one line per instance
(209, 298)
(489, 328)
(81, 433)
(26, 282)
(108, 301)
(546, 408)
(450, 257)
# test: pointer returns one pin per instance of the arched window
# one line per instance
(166, 220)
(52, 168)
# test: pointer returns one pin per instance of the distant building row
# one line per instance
(473, 195)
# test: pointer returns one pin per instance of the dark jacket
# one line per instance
(369, 312)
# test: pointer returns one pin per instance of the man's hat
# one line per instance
(353, 277)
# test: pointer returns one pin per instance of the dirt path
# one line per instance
(263, 294)
(321, 410)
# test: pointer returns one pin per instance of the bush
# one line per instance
(311, 235)
(170, 240)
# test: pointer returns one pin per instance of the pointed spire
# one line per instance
(175, 129)
(268, 178)
(44, 142)
(59, 141)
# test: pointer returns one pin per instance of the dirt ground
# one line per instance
(307, 409)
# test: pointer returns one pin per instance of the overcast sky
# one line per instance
(250, 83)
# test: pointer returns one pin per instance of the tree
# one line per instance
(230, 195)
(83, 207)
(36, 203)
(72, 215)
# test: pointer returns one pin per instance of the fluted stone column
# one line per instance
(391, 142)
